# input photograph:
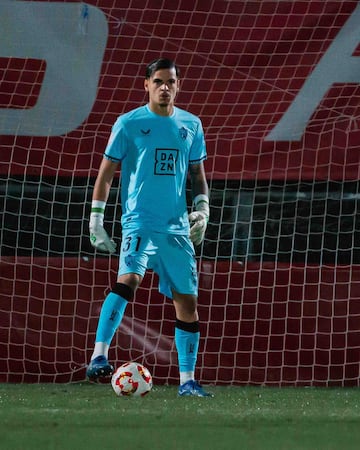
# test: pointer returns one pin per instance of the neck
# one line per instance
(162, 110)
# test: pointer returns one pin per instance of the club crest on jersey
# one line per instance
(165, 161)
(183, 133)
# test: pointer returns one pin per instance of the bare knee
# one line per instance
(185, 307)
(133, 280)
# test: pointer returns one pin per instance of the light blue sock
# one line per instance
(187, 346)
(111, 314)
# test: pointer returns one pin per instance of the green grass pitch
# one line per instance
(87, 416)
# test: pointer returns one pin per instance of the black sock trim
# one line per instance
(191, 327)
(124, 291)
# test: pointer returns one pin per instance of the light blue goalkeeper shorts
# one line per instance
(170, 256)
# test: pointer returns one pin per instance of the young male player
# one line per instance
(157, 145)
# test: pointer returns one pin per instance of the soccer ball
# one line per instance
(131, 379)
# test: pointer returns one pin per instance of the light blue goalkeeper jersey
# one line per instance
(155, 153)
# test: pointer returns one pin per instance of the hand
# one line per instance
(98, 236)
(198, 223)
(101, 241)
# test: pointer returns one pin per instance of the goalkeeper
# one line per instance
(157, 145)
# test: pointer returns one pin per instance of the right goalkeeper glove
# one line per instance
(98, 236)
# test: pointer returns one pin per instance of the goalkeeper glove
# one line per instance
(98, 236)
(199, 219)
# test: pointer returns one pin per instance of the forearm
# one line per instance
(104, 181)
(102, 188)
(199, 186)
(98, 236)
(198, 181)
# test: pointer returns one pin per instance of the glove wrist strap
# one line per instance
(98, 206)
(97, 213)
(201, 203)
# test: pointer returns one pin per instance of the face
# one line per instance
(162, 87)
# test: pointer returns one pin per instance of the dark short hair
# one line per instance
(158, 64)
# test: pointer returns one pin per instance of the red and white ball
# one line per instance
(131, 379)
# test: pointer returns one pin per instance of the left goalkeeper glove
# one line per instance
(199, 219)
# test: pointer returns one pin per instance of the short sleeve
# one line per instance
(198, 147)
(117, 145)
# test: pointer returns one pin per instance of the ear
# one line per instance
(146, 85)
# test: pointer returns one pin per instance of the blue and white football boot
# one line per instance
(99, 367)
(193, 389)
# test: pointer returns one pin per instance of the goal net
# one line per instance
(277, 86)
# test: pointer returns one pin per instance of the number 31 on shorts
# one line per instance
(128, 242)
